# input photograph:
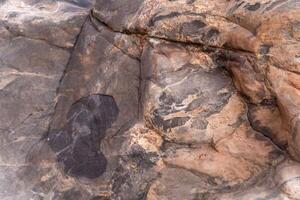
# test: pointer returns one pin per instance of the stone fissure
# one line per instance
(71, 54)
(147, 35)
(64, 73)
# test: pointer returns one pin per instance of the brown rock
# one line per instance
(267, 120)
(184, 87)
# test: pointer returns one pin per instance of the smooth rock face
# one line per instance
(149, 99)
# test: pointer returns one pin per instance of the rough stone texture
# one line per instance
(183, 88)
(149, 99)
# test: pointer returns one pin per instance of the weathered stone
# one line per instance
(267, 120)
(183, 88)
(248, 75)
(39, 20)
(176, 183)
(100, 66)
(149, 99)
(33, 56)
(287, 179)
(242, 153)
(165, 19)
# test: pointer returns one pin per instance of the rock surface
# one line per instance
(149, 99)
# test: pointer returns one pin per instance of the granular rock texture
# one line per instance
(149, 100)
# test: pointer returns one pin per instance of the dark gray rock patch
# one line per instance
(162, 17)
(77, 143)
(253, 7)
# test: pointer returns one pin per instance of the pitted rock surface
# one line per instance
(149, 100)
